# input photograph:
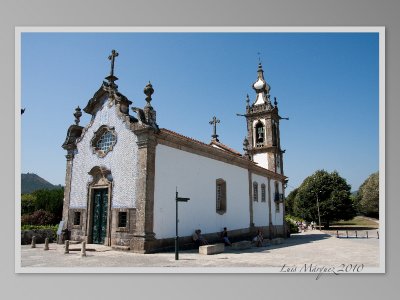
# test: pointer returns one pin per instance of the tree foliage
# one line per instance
(367, 198)
(39, 217)
(27, 204)
(50, 200)
(331, 192)
(289, 202)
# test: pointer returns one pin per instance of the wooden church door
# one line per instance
(100, 203)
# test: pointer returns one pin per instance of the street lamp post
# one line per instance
(177, 199)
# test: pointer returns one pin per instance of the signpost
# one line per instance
(178, 199)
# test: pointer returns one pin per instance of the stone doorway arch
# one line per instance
(99, 189)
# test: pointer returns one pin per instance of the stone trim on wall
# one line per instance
(101, 180)
(144, 234)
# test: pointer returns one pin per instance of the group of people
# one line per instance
(199, 240)
(303, 226)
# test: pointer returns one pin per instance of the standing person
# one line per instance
(225, 238)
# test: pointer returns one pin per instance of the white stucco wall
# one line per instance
(261, 159)
(121, 161)
(195, 176)
(260, 209)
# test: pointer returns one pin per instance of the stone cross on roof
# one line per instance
(111, 78)
(112, 57)
(214, 122)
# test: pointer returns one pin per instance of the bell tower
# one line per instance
(263, 138)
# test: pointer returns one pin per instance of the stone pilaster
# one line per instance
(67, 189)
(269, 210)
(251, 199)
(144, 235)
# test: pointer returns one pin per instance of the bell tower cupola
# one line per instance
(263, 135)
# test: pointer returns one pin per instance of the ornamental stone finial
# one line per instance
(275, 102)
(148, 91)
(77, 115)
(246, 147)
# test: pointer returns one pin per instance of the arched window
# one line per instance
(255, 191)
(263, 193)
(103, 140)
(220, 196)
(259, 133)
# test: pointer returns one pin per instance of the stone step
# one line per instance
(121, 248)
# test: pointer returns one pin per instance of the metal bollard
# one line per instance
(83, 250)
(367, 233)
(46, 244)
(356, 233)
(347, 234)
(337, 233)
(66, 250)
(377, 233)
(33, 244)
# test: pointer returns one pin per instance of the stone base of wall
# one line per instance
(138, 244)
(185, 242)
(41, 235)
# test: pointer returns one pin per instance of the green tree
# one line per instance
(289, 202)
(367, 198)
(50, 201)
(330, 191)
(27, 204)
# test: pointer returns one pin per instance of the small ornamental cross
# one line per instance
(112, 57)
(259, 57)
(214, 122)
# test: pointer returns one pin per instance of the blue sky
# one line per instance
(326, 83)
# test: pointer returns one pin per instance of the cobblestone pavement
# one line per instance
(312, 247)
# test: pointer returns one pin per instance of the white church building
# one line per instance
(122, 173)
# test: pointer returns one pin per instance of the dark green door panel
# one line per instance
(100, 202)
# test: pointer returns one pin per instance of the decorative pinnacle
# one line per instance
(259, 57)
(111, 78)
(245, 144)
(247, 100)
(214, 122)
(275, 102)
(77, 115)
(148, 91)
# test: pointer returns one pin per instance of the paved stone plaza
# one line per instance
(312, 247)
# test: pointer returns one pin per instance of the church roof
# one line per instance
(229, 156)
(224, 147)
(219, 145)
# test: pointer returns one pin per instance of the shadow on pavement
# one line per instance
(294, 240)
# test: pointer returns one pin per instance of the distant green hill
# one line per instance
(31, 182)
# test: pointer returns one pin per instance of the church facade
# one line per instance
(123, 172)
